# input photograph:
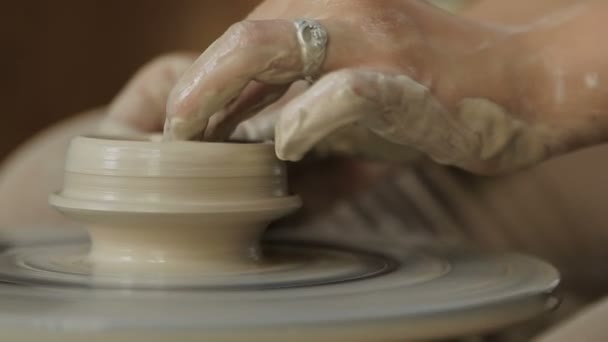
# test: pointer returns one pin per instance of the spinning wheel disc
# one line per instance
(175, 255)
(338, 290)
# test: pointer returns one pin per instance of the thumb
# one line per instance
(338, 100)
(261, 126)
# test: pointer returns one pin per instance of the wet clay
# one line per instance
(175, 254)
(151, 205)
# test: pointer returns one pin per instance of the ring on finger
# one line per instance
(312, 38)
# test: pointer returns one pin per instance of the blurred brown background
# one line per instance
(64, 56)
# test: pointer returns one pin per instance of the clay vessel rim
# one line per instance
(255, 206)
(141, 157)
(136, 141)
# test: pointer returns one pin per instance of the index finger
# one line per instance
(265, 51)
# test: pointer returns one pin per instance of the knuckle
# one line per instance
(246, 32)
(347, 81)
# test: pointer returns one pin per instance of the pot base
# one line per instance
(283, 264)
(373, 290)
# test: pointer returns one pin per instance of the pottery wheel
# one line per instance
(350, 290)
(173, 252)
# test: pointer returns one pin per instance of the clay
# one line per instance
(173, 205)
(175, 254)
(398, 292)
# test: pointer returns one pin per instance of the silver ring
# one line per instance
(312, 38)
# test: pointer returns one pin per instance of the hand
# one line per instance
(140, 108)
(255, 62)
(464, 93)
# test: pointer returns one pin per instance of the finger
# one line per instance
(356, 141)
(333, 102)
(251, 101)
(264, 51)
(140, 105)
(261, 126)
(360, 142)
(393, 106)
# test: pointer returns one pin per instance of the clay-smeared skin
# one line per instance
(479, 129)
(486, 98)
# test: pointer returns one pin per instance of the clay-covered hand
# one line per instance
(465, 93)
(139, 108)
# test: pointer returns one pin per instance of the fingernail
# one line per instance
(282, 152)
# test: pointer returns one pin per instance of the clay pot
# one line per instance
(173, 205)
